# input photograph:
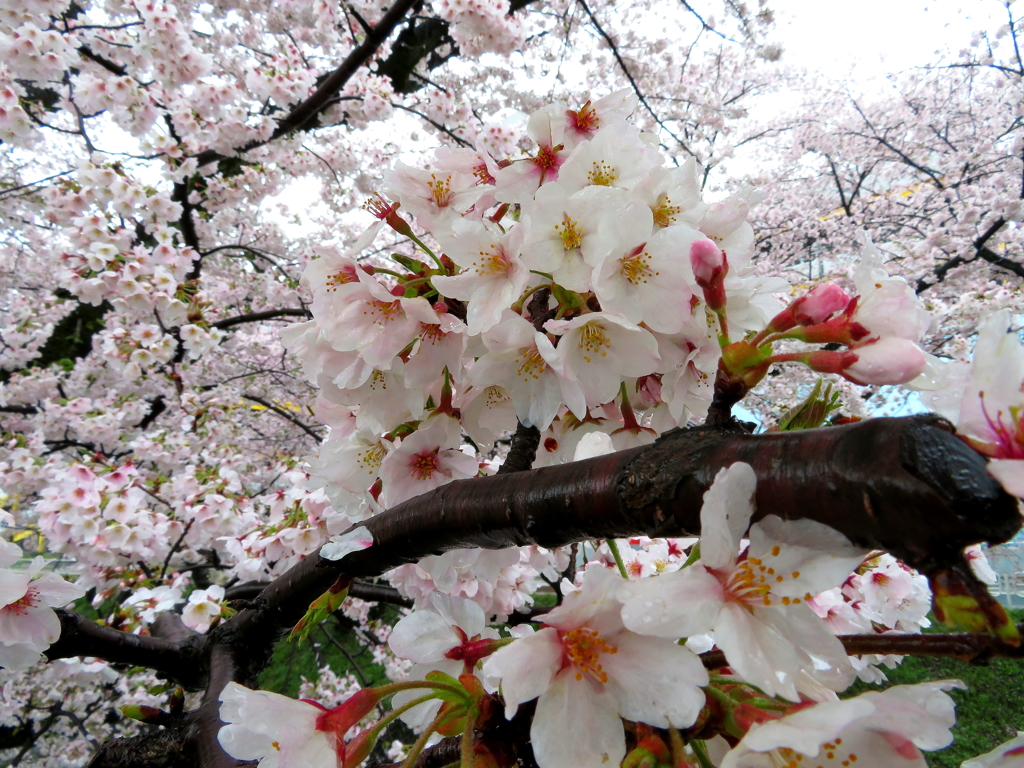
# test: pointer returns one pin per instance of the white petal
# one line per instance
(655, 681)
(345, 544)
(524, 668)
(728, 505)
(577, 725)
(678, 604)
(1010, 474)
(423, 637)
(812, 557)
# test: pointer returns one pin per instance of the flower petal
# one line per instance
(654, 680)
(577, 724)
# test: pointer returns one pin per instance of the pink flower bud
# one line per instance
(887, 361)
(708, 263)
(813, 308)
(822, 302)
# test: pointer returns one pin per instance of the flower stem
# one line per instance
(701, 752)
(421, 742)
(614, 547)
(467, 743)
(429, 252)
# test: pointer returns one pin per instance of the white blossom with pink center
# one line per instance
(589, 671)
(28, 624)
(616, 157)
(427, 638)
(492, 275)
(886, 729)
(277, 730)
(517, 358)
(673, 195)
(425, 460)
(753, 601)
(579, 125)
(570, 234)
(375, 323)
(642, 277)
(598, 350)
(992, 408)
(518, 182)
(435, 198)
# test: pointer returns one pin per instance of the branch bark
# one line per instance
(179, 656)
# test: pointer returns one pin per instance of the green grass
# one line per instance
(989, 712)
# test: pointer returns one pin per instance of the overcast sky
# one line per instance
(865, 38)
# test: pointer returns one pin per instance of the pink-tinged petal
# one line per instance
(728, 505)
(37, 625)
(344, 544)
(890, 360)
(654, 680)
(524, 668)
(13, 586)
(809, 636)
(806, 730)
(18, 657)
(679, 604)
(423, 637)
(460, 612)
(55, 592)
(1010, 474)
(577, 725)
(803, 556)
(9, 553)
(1008, 755)
(923, 713)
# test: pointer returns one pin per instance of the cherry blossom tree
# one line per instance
(510, 378)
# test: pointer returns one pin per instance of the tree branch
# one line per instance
(284, 414)
(255, 317)
(969, 648)
(179, 657)
(303, 114)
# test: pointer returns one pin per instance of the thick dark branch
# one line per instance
(24, 410)
(156, 407)
(87, 53)
(970, 648)
(303, 116)
(908, 486)
(363, 590)
(177, 656)
(523, 451)
(255, 317)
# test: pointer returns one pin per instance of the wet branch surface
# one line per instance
(905, 485)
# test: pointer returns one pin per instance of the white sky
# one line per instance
(866, 38)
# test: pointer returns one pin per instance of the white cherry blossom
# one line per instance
(517, 358)
(753, 601)
(589, 671)
(28, 624)
(598, 350)
(492, 276)
(425, 460)
(992, 408)
(886, 729)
